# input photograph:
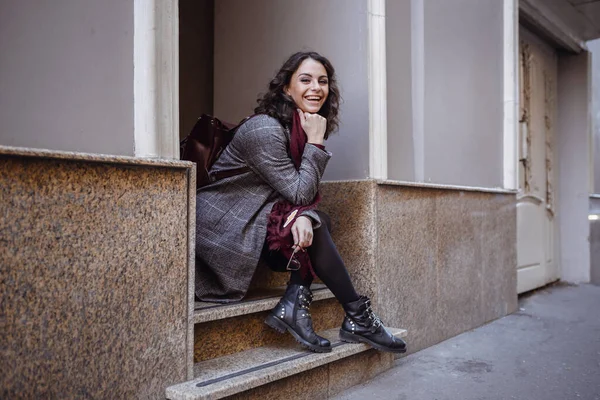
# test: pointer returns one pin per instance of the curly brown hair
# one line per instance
(277, 104)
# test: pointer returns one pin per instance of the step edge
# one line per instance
(253, 307)
(189, 391)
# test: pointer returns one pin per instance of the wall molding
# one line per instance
(511, 93)
(541, 18)
(378, 147)
(424, 185)
(156, 78)
(417, 56)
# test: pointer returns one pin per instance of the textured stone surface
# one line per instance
(446, 260)
(253, 302)
(499, 253)
(357, 369)
(309, 385)
(459, 274)
(264, 277)
(408, 264)
(323, 382)
(231, 335)
(92, 158)
(351, 207)
(435, 261)
(94, 276)
(246, 372)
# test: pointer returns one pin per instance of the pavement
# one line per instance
(548, 350)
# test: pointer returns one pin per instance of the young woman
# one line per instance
(269, 213)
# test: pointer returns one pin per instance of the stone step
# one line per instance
(264, 277)
(246, 370)
(223, 329)
(256, 301)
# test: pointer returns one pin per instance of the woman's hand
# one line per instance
(314, 125)
(302, 232)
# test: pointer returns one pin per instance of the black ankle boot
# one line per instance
(362, 325)
(292, 314)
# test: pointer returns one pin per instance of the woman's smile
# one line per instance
(309, 86)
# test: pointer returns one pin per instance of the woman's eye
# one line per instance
(323, 82)
(305, 80)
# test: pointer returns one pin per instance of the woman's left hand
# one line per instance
(302, 232)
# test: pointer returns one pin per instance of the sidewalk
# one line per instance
(548, 350)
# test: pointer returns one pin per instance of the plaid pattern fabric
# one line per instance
(231, 214)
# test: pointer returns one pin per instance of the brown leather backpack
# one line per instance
(204, 145)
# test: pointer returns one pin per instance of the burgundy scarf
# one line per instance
(279, 237)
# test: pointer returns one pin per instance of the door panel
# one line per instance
(536, 247)
(530, 227)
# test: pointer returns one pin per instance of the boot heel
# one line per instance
(276, 324)
(348, 337)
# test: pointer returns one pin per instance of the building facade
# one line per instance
(462, 175)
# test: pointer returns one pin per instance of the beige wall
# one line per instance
(594, 47)
(464, 92)
(399, 93)
(253, 39)
(574, 98)
(445, 93)
(196, 44)
(595, 242)
(66, 75)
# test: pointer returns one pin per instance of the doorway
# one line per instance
(196, 61)
(537, 247)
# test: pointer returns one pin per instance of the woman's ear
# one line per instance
(286, 90)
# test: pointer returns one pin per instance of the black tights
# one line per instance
(328, 264)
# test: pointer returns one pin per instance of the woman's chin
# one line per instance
(310, 109)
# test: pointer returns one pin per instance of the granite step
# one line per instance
(228, 375)
(255, 302)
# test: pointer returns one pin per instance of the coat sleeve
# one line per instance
(312, 214)
(264, 148)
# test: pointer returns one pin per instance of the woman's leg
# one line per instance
(296, 278)
(360, 324)
(292, 313)
(328, 264)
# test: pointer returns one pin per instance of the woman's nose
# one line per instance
(314, 85)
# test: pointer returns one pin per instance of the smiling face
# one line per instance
(309, 86)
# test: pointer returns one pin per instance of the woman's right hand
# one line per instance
(302, 232)
(314, 125)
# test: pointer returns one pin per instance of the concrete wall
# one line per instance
(594, 48)
(196, 46)
(400, 91)
(595, 242)
(573, 132)
(253, 39)
(66, 75)
(464, 92)
(445, 91)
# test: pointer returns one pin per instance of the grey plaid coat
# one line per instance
(231, 214)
